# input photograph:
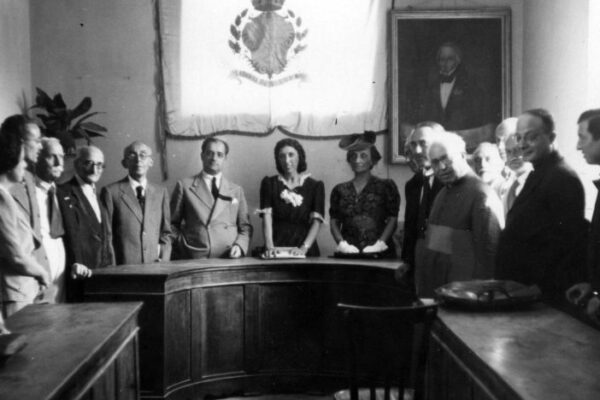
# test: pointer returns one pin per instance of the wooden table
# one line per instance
(75, 351)
(535, 354)
(218, 327)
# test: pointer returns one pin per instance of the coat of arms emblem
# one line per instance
(268, 36)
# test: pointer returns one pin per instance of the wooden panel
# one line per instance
(126, 372)
(220, 315)
(177, 338)
(291, 321)
(74, 352)
(105, 388)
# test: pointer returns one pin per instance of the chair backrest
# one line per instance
(387, 347)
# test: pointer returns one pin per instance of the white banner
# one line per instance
(311, 67)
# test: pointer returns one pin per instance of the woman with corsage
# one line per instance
(364, 210)
(292, 203)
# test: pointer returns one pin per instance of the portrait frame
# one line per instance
(483, 37)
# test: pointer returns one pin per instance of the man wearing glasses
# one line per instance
(85, 222)
(138, 211)
(545, 235)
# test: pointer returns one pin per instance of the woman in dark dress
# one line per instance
(364, 210)
(292, 203)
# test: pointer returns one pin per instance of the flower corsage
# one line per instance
(291, 197)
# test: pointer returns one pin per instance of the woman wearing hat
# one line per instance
(292, 203)
(364, 210)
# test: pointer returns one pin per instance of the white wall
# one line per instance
(15, 72)
(560, 71)
(105, 49)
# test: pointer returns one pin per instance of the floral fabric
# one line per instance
(363, 215)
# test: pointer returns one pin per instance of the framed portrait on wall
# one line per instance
(450, 67)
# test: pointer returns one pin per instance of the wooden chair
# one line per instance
(387, 348)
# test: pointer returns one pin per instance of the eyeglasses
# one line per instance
(89, 164)
(138, 156)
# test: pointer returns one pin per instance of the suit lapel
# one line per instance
(201, 191)
(222, 204)
(78, 194)
(130, 198)
(151, 200)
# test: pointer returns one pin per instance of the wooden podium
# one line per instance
(222, 327)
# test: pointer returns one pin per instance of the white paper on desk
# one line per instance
(439, 238)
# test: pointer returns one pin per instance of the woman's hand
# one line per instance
(299, 251)
(378, 247)
(346, 248)
(578, 293)
(269, 252)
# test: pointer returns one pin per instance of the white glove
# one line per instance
(346, 248)
(378, 247)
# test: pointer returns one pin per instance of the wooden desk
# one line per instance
(537, 354)
(223, 326)
(75, 351)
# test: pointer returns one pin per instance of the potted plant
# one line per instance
(66, 124)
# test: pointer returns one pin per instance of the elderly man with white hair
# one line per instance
(464, 224)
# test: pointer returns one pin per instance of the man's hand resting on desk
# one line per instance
(80, 271)
(401, 271)
(346, 248)
(581, 294)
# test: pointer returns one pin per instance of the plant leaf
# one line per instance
(93, 133)
(42, 100)
(85, 117)
(92, 126)
(81, 108)
(58, 102)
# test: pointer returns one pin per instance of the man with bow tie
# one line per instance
(453, 98)
(138, 211)
(209, 214)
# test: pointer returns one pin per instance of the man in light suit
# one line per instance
(48, 169)
(209, 214)
(138, 212)
(85, 222)
(22, 276)
(24, 192)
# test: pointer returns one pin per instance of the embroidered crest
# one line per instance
(268, 37)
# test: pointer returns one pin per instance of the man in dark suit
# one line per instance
(138, 211)
(209, 214)
(86, 228)
(452, 98)
(545, 235)
(420, 191)
(585, 294)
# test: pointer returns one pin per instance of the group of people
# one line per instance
(515, 211)
(52, 236)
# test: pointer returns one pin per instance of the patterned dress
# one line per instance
(363, 215)
(293, 210)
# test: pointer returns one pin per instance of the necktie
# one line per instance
(139, 190)
(54, 216)
(511, 195)
(424, 209)
(214, 189)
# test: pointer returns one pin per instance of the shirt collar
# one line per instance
(143, 182)
(84, 184)
(208, 178)
(45, 186)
